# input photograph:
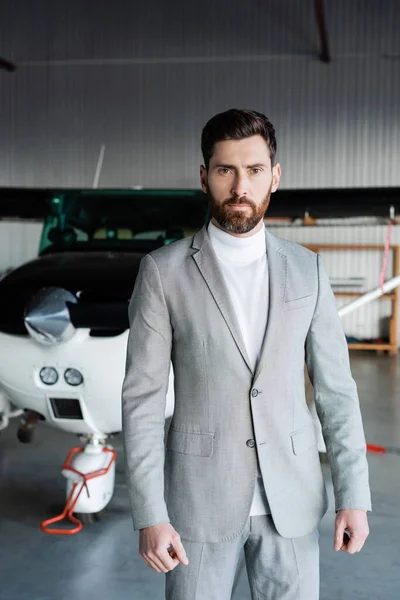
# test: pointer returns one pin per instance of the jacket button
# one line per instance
(254, 393)
(250, 443)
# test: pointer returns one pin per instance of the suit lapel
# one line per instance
(277, 280)
(207, 263)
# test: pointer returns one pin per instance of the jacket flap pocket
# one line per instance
(189, 442)
(303, 439)
(299, 302)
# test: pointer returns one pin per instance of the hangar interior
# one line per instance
(115, 100)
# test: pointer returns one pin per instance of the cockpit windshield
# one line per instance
(127, 220)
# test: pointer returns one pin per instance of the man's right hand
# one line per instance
(154, 542)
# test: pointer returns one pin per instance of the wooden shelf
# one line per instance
(391, 347)
(357, 295)
(316, 247)
(371, 346)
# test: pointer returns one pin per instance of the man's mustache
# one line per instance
(243, 200)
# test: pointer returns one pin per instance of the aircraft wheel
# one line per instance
(25, 435)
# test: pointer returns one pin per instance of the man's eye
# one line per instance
(223, 171)
(256, 170)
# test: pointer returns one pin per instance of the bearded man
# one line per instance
(239, 311)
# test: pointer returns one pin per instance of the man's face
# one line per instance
(239, 183)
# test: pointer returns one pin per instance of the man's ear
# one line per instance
(276, 177)
(203, 179)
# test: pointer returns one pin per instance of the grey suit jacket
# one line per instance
(225, 414)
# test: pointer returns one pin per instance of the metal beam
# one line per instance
(322, 30)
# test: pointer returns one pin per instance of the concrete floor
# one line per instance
(102, 562)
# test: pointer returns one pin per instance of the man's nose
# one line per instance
(240, 186)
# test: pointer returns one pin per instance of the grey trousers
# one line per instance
(278, 568)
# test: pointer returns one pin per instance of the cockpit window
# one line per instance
(121, 220)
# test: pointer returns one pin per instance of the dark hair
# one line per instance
(236, 124)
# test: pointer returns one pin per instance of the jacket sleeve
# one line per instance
(144, 394)
(336, 400)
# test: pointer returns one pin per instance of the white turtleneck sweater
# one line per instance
(243, 262)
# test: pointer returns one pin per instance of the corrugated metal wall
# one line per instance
(143, 78)
(19, 242)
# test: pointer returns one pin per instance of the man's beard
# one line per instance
(238, 221)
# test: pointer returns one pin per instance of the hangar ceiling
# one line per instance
(320, 18)
(50, 30)
(143, 78)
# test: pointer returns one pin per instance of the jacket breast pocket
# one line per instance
(190, 442)
(304, 439)
(299, 302)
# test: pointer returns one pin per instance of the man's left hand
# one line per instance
(354, 522)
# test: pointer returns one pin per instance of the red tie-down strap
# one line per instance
(71, 501)
(383, 449)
